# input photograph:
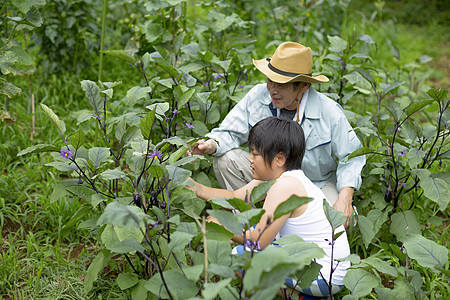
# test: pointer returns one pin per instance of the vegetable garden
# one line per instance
(101, 100)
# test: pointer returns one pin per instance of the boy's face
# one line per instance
(260, 169)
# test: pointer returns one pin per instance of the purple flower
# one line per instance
(66, 154)
(218, 76)
(241, 86)
(403, 184)
(155, 155)
(399, 128)
(252, 245)
(97, 117)
(176, 112)
(207, 84)
(340, 60)
(402, 154)
(190, 126)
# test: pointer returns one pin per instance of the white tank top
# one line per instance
(313, 227)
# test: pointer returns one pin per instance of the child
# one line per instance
(276, 148)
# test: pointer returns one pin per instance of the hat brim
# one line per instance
(263, 66)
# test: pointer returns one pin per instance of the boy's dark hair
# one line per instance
(273, 135)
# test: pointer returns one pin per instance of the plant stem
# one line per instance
(102, 39)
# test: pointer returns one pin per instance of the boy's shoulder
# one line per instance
(289, 184)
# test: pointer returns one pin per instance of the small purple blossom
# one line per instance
(252, 245)
(241, 86)
(66, 154)
(218, 76)
(155, 155)
(340, 60)
(190, 126)
(207, 84)
(399, 128)
(402, 154)
(403, 184)
(176, 112)
(97, 116)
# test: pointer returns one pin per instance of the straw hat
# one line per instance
(290, 62)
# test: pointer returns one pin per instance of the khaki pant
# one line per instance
(233, 171)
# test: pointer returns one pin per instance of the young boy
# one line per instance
(276, 148)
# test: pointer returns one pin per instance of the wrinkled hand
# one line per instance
(203, 147)
(344, 203)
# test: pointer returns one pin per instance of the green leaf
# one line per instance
(403, 290)
(121, 215)
(402, 221)
(300, 252)
(178, 285)
(260, 191)
(361, 151)
(146, 124)
(212, 289)
(185, 98)
(98, 155)
(200, 128)
(112, 174)
(290, 205)
(94, 269)
(179, 240)
(381, 265)
(231, 221)
(392, 86)
(414, 107)
(55, 119)
(62, 166)
(426, 252)
(40, 148)
(83, 192)
(337, 44)
(439, 95)
(126, 280)
(335, 217)
(9, 90)
(219, 252)
(121, 54)
(434, 188)
(92, 92)
(77, 139)
(367, 39)
(217, 232)
(127, 246)
(360, 282)
(137, 93)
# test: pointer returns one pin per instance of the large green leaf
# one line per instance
(179, 240)
(434, 188)
(335, 217)
(127, 280)
(337, 44)
(381, 265)
(300, 252)
(127, 246)
(179, 286)
(217, 232)
(212, 289)
(426, 252)
(98, 155)
(121, 54)
(219, 252)
(146, 124)
(404, 221)
(55, 119)
(40, 148)
(94, 269)
(290, 205)
(92, 92)
(360, 282)
(260, 191)
(137, 93)
(121, 215)
(113, 174)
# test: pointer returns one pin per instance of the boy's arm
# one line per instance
(207, 193)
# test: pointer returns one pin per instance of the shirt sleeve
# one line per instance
(344, 142)
(234, 129)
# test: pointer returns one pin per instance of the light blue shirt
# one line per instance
(328, 134)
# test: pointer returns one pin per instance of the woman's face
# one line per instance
(283, 94)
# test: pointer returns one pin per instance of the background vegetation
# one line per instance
(389, 68)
